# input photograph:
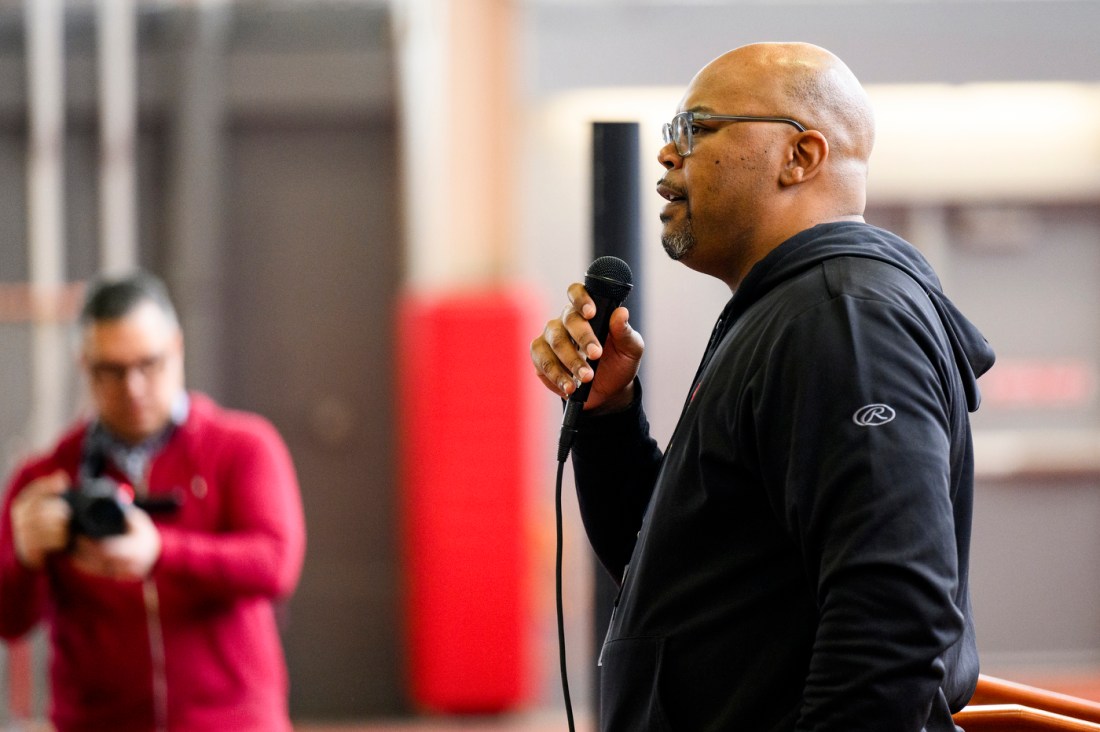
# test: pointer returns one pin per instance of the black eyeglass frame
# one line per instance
(689, 118)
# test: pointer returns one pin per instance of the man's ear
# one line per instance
(808, 153)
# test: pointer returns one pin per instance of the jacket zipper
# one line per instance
(156, 633)
(611, 620)
(156, 651)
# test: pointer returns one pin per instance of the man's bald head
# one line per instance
(805, 82)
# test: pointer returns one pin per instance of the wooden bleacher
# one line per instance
(1007, 706)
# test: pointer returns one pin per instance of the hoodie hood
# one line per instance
(973, 354)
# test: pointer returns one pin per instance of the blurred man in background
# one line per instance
(162, 618)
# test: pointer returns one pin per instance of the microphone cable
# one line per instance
(565, 443)
(561, 611)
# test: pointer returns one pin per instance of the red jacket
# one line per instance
(195, 647)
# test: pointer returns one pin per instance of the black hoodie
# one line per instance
(798, 555)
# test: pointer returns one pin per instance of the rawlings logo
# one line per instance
(873, 415)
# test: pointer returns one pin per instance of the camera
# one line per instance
(96, 509)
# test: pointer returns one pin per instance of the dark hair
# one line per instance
(113, 297)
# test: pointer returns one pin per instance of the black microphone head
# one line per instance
(609, 277)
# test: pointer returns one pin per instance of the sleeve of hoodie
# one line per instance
(22, 590)
(869, 506)
(615, 464)
(261, 548)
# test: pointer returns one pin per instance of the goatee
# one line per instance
(678, 244)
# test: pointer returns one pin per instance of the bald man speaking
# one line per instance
(796, 557)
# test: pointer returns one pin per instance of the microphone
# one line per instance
(608, 281)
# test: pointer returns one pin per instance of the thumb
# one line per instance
(56, 482)
(628, 341)
(53, 484)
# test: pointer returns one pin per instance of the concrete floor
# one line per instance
(549, 721)
(530, 722)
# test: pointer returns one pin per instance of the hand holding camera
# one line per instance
(40, 522)
(108, 533)
(124, 556)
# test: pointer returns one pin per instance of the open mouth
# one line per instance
(670, 193)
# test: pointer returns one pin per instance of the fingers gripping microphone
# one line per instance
(608, 281)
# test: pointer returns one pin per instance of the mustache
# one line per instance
(677, 190)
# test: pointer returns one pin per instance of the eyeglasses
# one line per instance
(115, 374)
(682, 127)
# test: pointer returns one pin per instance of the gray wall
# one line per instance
(631, 43)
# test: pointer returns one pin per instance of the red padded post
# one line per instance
(464, 426)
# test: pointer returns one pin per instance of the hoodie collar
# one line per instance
(809, 248)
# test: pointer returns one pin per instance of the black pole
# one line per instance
(616, 232)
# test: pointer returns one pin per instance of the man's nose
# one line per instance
(668, 157)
